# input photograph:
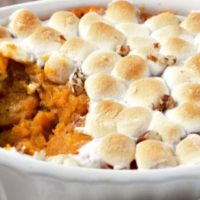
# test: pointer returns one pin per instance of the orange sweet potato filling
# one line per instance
(79, 12)
(44, 120)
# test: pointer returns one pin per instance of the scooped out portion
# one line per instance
(39, 115)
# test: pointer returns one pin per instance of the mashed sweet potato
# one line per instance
(42, 120)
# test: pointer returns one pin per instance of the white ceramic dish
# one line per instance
(23, 178)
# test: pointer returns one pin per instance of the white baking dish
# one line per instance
(23, 178)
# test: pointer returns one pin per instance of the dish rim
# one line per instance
(24, 163)
(33, 167)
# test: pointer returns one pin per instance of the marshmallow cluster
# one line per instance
(142, 79)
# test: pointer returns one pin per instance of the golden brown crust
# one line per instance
(192, 22)
(100, 61)
(166, 32)
(44, 40)
(161, 20)
(46, 35)
(133, 121)
(58, 69)
(131, 68)
(111, 87)
(187, 115)
(13, 51)
(65, 22)
(117, 150)
(120, 11)
(76, 49)
(194, 63)
(23, 23)
(4, 34)
(187, 92)
(152, 154)
(189, 110)
(102, 119)
(104, 35)
(177, 47)
(169, 131)
(87, 20)
(146, 92)
(188, 150)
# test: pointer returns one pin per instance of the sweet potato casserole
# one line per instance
(111, 88)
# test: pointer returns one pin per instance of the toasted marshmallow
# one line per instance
(177, 75)
(197, 40)
(192, 23)
(178, 47)
(146, 92)
(139, 42)
(130, 29)
(8, 49)
(164, 33)
(120, 11)
(187, 115)
(155, 68)
(87, 20)
(130, 68)
(187, 92)
(153, 154)
(133, 121)
(117, 150)
(102, 119)
(105, 36)
(158, 63)
(161, 20)
(100, 61)
(65, 22)
(58, 68)
(99, 86)
(193, 63)
(88, 155)
(77, 49)
(4, 34)
(23, 22)
(44, 41)
(145, 52)
(169, 131)
(188, 150)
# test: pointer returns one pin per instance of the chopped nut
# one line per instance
(143, 15)
(77, 82)
(153, 135)
(123, 50)
(156, 45)
(152, 58)
(166, 102)
(167, 60)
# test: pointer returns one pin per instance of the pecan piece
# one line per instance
(152, 58)
(167, 60)
(123, 50)
(151, 134)
(166, 102)
(77, 82)
(156, 45)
